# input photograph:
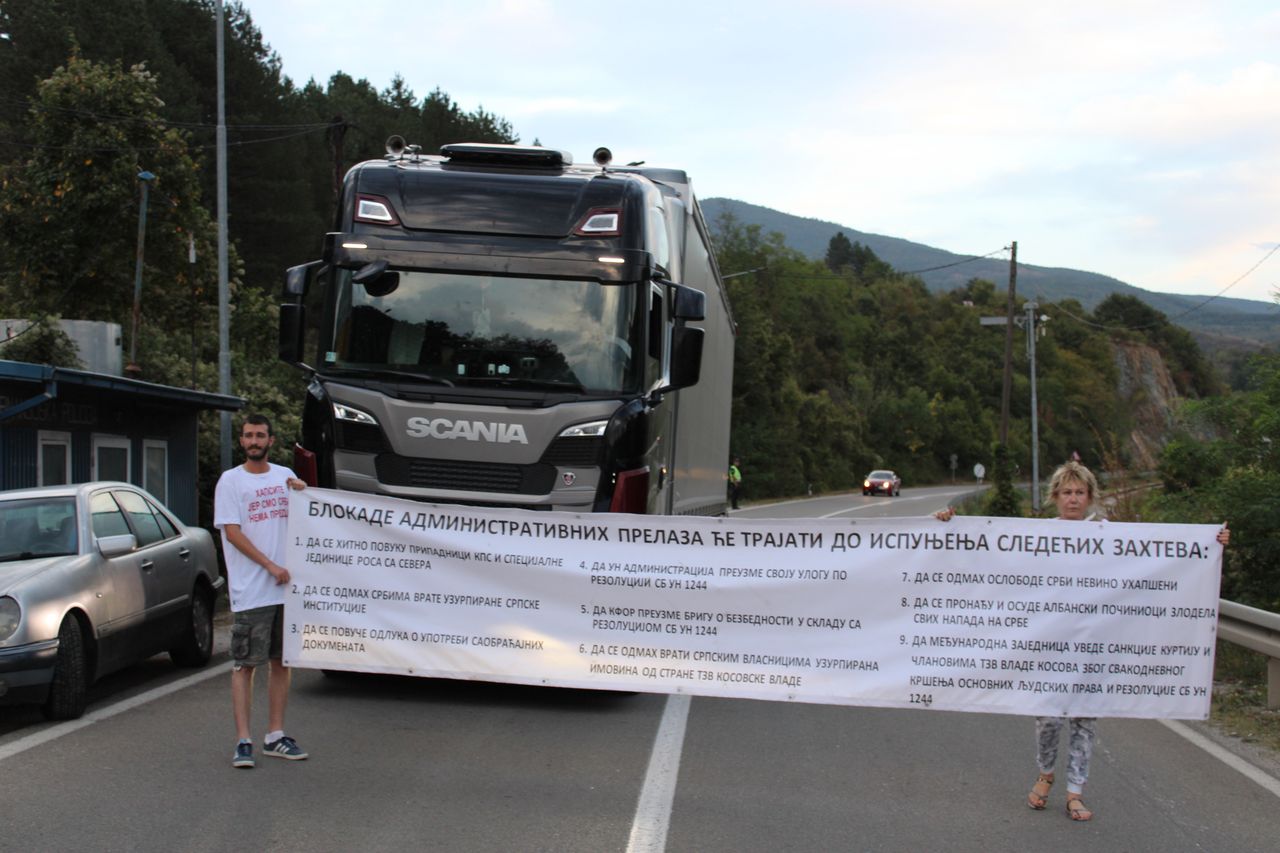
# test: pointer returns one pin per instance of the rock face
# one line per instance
(1146, 389)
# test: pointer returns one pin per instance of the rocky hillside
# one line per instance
(1146, 386)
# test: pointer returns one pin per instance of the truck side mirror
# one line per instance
(377, 280)
(686, 356)
(297, 282)
(292, 322)
(689, 304)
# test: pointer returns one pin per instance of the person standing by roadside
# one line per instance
(251, 508)
(1073, 490)
(735, 483)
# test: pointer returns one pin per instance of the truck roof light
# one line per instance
(495, 154)
(355, 245)
(600, 222)
(346, 413)
(610, 259)
(375, 209)
(588, 430)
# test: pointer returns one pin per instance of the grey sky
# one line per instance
(1133, 138)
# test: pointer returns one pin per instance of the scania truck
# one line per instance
(497, 326)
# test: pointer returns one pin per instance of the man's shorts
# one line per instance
(257, 636)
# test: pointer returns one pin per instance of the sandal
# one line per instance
(1078, 811)
(1039, 794)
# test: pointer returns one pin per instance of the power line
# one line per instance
(956, 263)
(1191, 310)
(189, 125)
(108, 150)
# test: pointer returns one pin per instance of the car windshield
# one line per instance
(455, 329)
(37, 527)
(880, 475)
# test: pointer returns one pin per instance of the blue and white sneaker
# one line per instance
(244, 756)
(285, 747)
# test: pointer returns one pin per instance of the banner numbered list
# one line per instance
(977, 614)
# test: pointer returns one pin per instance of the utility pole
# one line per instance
(1008, 347)
(224, 289)
(337, 136)
(133, 368)
(1032, 324)
(1035, 420)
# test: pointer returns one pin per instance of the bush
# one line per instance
(1002, 499)
(1188, 464)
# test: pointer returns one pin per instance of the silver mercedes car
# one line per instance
(95, 577)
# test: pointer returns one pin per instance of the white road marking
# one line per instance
(896, 501)
(653, 812)
(1227, 757)
(56, 731)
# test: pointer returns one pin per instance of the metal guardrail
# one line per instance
(1258, 630)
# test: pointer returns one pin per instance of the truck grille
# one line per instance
(395, 470)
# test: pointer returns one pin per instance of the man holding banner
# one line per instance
(251, 508)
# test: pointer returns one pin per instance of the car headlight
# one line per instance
(10, 616)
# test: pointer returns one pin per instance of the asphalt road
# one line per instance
(402, 763)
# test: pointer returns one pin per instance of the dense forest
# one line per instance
(842, 365)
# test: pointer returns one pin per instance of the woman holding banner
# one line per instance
(1073, 490)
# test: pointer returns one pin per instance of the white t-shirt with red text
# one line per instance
(259, 503)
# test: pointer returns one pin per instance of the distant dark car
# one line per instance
(95, 577)
(882, 483)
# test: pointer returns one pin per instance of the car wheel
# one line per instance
(195, 646)
(69, 690)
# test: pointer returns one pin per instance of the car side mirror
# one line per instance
(114, 546)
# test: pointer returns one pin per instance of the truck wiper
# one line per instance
(387, 373)
(519, 382)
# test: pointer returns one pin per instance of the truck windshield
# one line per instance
(464, 329)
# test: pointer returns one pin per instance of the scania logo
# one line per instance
(469, 430)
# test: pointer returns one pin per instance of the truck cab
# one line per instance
(497, 326)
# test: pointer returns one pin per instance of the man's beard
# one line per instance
(256, 454)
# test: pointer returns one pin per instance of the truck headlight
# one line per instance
(588, 430)
(10, 616)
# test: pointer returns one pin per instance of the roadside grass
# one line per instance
(1239, 707)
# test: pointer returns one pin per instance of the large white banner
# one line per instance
(1011, 616)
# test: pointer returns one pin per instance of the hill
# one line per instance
(1223, 323)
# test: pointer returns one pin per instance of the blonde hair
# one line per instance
(1073, 471)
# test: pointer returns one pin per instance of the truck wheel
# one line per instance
(69, 690)
(195, 645)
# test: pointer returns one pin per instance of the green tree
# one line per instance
(65, 247)
(839, 253)
(1223, 465)
(866, 263)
